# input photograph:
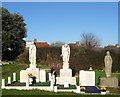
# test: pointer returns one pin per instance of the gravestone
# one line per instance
(32, 69)
(108, 81)
(66, 72)
(42, 75)
(87, 78)
(23, 76)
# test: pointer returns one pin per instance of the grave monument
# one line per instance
(108, 81)
(87, 78)
(32, 70)
(66, 73)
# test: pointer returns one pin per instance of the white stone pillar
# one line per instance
(55, 88)
(9, 80)
(53, 78)
(3, 83)
(51, 84)
(78, 89)
(14, 77)
(49, 76)
(27, 82)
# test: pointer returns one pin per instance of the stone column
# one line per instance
(49, 76)
(27, 82)
(51, 84)
(9, 80)
(78, 89)
(14, 77)
(3, 83)
(55, 88)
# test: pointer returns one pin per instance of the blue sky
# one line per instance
(66, 21)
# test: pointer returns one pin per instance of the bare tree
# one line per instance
(57, 43)
(90, 40)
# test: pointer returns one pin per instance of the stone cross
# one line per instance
(32, 55)
(108, 64)
(65, 55)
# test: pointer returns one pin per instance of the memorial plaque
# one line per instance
(87, 78)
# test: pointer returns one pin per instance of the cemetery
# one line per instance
(32, 78)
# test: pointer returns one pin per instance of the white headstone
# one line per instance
(23, 76)
(87, 78)
(66, 72)
(14, 77)
(3, 83)
(9, 80)
(35, 72)
(42, 75)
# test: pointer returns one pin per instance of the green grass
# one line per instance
(116, 75)
(9, 69)
(97, 74)
(41, 92)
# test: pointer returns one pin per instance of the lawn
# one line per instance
(41, 92)
(7, 70)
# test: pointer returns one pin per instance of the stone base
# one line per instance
(63, 80)
(33, 71)
(109, 82)
(65, 72)
(65, 77)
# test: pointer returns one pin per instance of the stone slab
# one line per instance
(42, 75)
(87, 78)
(33, 71)
(23, 76)
(62, 80)
(109, 82)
